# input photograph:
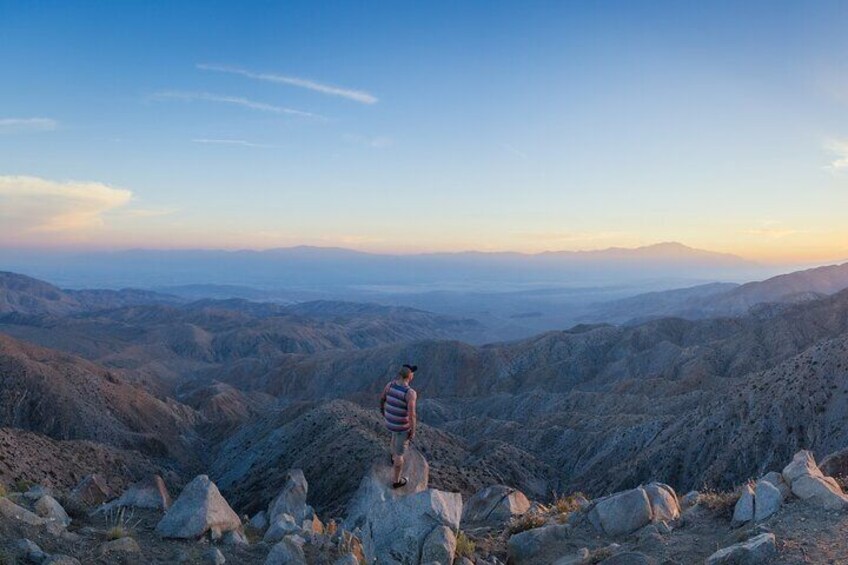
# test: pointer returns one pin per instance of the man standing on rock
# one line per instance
(398, 406)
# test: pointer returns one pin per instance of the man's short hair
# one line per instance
(406, 371)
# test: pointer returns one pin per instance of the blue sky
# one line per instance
(392, 126)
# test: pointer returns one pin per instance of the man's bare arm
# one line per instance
(383, 400)
(411, 399)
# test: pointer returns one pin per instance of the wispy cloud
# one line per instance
(378, 142)
(234, 100)
(838, 148)
(238, 142)
(356, 95)
(14, 125)
(510, 149)
(32, 205)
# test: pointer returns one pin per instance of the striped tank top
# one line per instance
(397, 409)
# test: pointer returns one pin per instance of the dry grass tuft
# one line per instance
(465, 546)
(525, 522)
(570, 503)
(120, 523)
(720, 502)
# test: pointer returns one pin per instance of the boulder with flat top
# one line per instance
(395, 523)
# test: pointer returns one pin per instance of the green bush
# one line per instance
(465, 546)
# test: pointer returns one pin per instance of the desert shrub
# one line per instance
(22, 485)
(465, 546)
(720, 502)
(565, 504)
(525, 522)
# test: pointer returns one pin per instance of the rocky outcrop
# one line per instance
(30, 550)
(147, 493)
(758, 550)
(47, 507)
(776, 479)
(439, 546)
(292, 498)
(690, 499)
(394, 523)
(119, 546)
(664, 503)
(625, 512)
(495, 505)
(622, 513)
(199, 509)
(808, 483)
(11, 510)
(92, 490)
(288, 552)
(744, 510)
(767, 500)
(283, 526)
(539, 545)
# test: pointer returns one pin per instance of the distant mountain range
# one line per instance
(314, 267)
(713, 300)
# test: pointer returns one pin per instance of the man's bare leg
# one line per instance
(398, 467)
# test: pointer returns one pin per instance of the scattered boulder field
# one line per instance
(797, 515)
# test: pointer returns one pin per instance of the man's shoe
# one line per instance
(401, 483)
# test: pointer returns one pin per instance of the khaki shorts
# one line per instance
(400, 441)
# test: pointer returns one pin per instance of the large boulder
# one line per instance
(758, 550)
(808, 483)
(199, 509)
(394, 523)
(540, 545)
(92, 490)
(119, 546)
(744, 510)
(30, 551)
(288, 552)
(292, 499)
(47, 507)
(690, 499)
(283, 526)
(259, 520)
(665, 507)
(147, 493)
(12, 511)
(375, 486)
(439, 546)
(776, 479)
(767, 500)
(495, 505)
(622, 513)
